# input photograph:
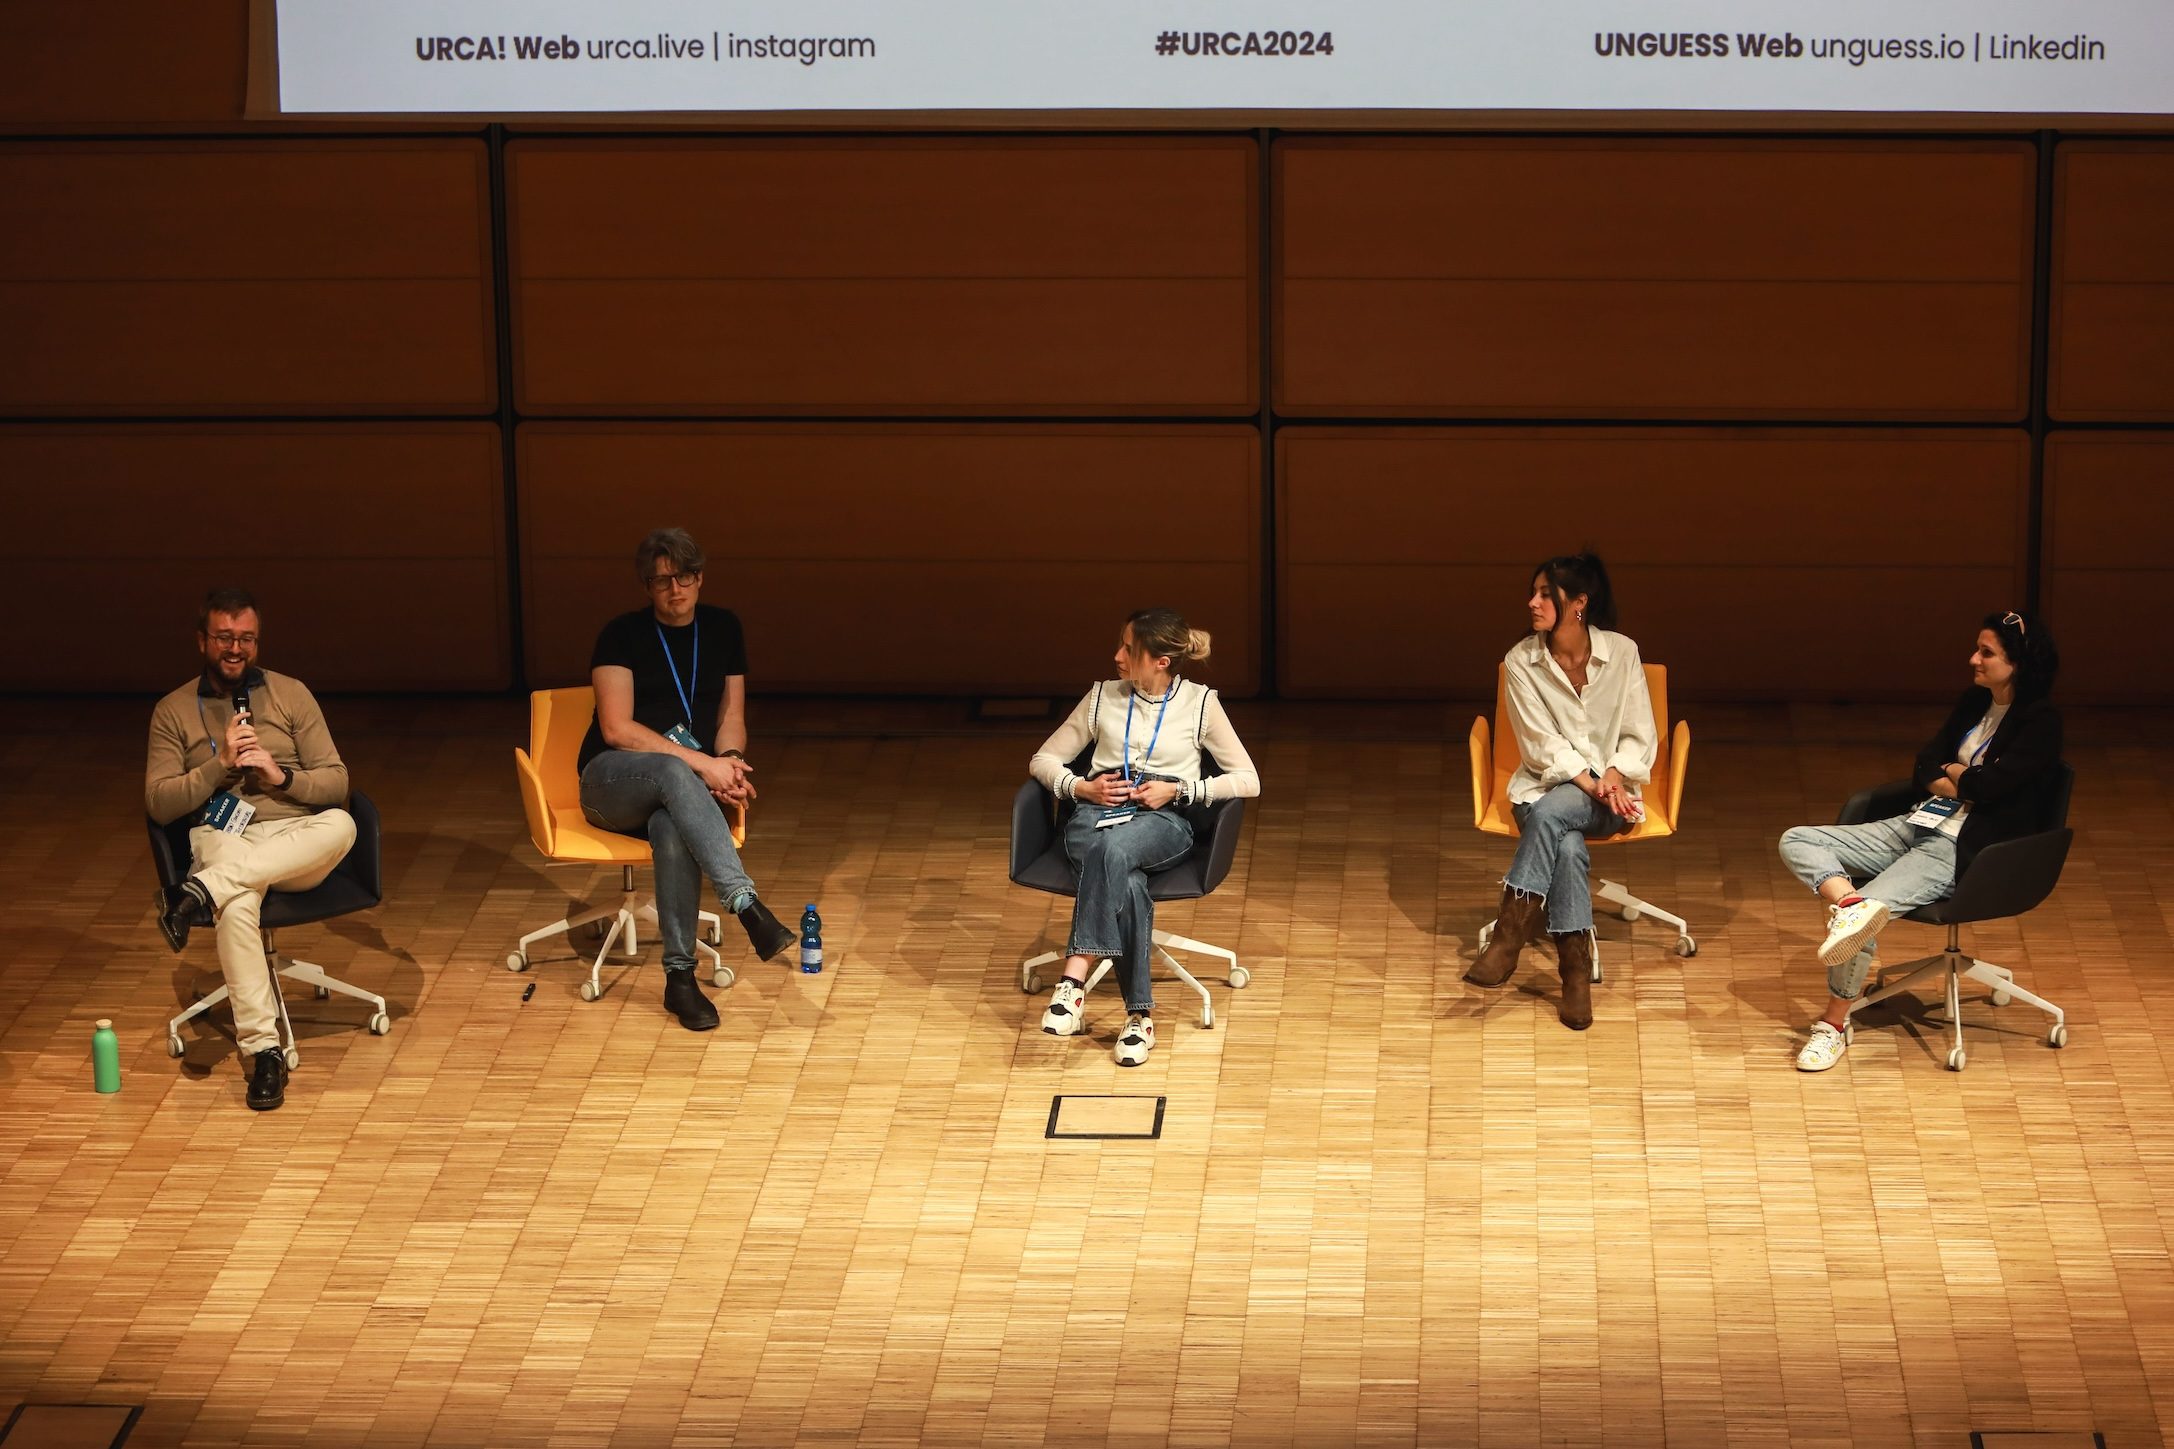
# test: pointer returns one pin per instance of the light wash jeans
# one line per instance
(1112, 915)
(1551, 860)
(659, 797)
(1909, 865)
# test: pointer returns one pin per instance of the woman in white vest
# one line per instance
(1577, 699)
(1147, 731)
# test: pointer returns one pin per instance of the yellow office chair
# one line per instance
(551, 791)
(1493, 764)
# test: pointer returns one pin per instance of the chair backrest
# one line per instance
(2064, 785)
(1508, 757)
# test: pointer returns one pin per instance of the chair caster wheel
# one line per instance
(1486, 933)
(590, 991)
(2002, 998)
(1849, 1032)
(1631, 913)
(1685, 946)
(380, 1024)
(2058, 1036)
(596, 930)
(1239, 976)
(174, 1048)
(1956, 1058)
(294, 1058)
(1030, 982)
(517, 962)
(1598, 979)
(322, 993)
(717, 934)
(723, 977)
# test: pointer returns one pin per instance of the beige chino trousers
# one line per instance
(275, 855)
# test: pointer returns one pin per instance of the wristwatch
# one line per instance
(289, 780)
(732, 754)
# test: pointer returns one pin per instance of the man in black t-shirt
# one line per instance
(667, 750)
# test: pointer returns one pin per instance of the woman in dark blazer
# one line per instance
(1988, 776)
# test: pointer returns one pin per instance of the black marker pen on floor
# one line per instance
(528, 991)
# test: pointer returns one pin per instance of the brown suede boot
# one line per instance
(1517, 925)
(1574, 958)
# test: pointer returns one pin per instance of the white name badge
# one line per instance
(229, 812)
(1935, 812)
(1115, 815)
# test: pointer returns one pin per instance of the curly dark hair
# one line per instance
(2029, 646)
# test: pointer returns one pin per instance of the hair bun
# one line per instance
(1197, 644)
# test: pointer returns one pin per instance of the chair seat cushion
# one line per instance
(577, 839)
(1051, 872)
(339, 895)
(1499, 821)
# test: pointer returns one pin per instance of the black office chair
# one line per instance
(1039, 863)
(356, 884)
(2003, 880)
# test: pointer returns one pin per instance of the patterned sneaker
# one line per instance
(1823, 1050)
(1849, 928)
(1067, 1014)
(1135, 1041)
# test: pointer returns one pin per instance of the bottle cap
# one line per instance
(811, 905)
(105, 1023)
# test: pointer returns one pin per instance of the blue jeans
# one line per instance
(658, 797)
(1908, 865)
(1112, 915)
(1551, 859)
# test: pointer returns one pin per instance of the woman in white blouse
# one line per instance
(1584, 724)
(1144, 734)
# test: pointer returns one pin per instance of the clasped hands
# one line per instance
(242, 752)
(727, 777)
(1112, 788)
(1611, 791)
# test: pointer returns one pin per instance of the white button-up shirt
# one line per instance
(1562, 732)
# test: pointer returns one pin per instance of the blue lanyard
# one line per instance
(1130, 701)
(694, 664)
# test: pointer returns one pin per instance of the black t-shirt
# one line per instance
(638, 641)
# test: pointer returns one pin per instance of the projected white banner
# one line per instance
(512, 56)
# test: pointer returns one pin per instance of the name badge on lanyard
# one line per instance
(683, 734)
(1119, 814)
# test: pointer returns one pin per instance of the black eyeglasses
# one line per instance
(658, 583)
(228, 641)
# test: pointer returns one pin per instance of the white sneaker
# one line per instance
(1849, 928)
(1135, 1041)
(1824, 1049)
(1067, 1014)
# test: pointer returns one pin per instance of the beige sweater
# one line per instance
(183, 769)
(1194, 722)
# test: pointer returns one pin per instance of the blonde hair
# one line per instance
(1159, 632)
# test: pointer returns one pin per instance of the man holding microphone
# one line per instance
(246, 754)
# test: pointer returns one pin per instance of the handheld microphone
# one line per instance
(241, 699)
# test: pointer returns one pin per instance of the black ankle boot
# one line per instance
(765, 932)
(684, 999)
(180, 907)
(268, 1080)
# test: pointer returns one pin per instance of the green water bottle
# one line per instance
(105, 1058)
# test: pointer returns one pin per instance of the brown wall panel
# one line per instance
(939, 276)
(1654, 278)
(1737, 555)
(246, 277)
(123, 62)
(374, 526)
(900, 559)
(2113, 282)
(2109, 511)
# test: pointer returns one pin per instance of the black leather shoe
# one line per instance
(179, 908)
(268, 1082)
(684, 999)
(765, 932)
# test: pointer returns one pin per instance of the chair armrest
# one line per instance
(1679, 765)
(1228, 818)
(1034, 826)
(1483, 769)
(365, 861)
(1881, 802)
(2009, 878)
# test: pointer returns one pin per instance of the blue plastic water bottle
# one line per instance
(811, 940)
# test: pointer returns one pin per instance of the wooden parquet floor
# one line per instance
(1386, 1208)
